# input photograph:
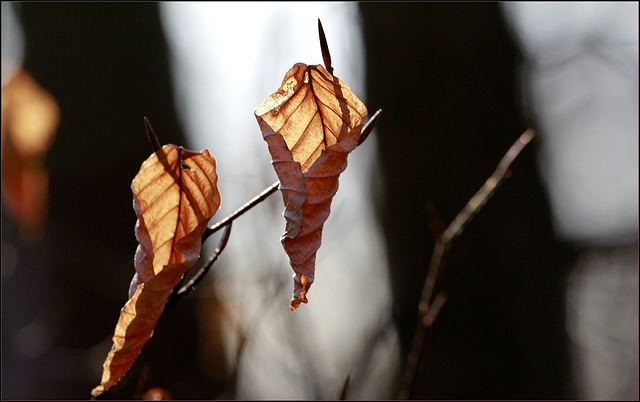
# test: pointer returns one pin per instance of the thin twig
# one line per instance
(434, 309)
(427, 310)
(203, 271)
(473, 206)
(191, 285)
(486, 191)
(247, 206)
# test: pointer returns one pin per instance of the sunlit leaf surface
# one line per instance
(310, 125)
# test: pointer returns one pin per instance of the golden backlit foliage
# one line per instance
(175, 195)
(310, 124)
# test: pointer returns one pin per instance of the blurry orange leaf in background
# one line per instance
(175, 195)
(310, 125)
(30, 117)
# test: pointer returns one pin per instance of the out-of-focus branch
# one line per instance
(427, 309)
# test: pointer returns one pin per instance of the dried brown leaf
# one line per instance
(175, 195)
(310, 125)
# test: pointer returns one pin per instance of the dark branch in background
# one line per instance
(428, 309)
(345, 389)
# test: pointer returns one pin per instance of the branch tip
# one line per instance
(153, 138)
(324, 47)
(366, 130)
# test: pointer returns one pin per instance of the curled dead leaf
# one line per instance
(310, 125)
(175, 195)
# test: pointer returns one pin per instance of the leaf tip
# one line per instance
(99, 393)
(300, 289)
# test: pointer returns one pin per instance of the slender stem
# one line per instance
(186, 289)
(434, 309)
(191, 285)
(437, 260)
(428, 310)
(235, 214)
(486, 191)
(473, 206)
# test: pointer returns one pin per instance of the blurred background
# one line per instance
(542, 284)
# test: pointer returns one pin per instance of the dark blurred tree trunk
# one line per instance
(444, 75)
(107, 66)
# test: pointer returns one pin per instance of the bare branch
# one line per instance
(428, 310)
(247, 206)
(486, 191)
(191, 285)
